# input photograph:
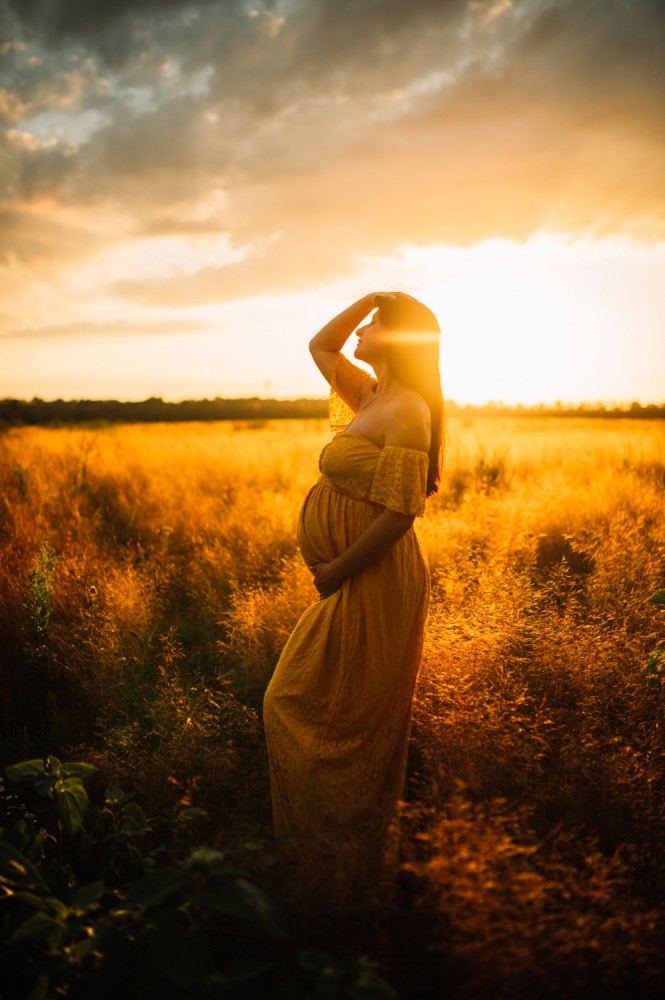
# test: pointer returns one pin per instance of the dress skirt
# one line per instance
(337, 711)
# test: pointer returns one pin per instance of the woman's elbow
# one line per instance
(401, 522)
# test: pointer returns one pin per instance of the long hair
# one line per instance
(413, 358)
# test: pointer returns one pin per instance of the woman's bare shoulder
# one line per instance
(410, 422)
(411, 406)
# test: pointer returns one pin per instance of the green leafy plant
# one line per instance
(61, 784)
(655, 668)
(40, 597)
(99, 899)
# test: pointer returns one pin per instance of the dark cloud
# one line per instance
(325, 32)
(106, 26)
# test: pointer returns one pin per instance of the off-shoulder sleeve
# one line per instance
(400, 480)
(346, 389)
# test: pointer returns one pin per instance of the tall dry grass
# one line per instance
(150, 577)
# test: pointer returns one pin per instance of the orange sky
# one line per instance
(189, 190)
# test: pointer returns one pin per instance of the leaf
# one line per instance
(27, 770)
(37, 902)
(243, 900)
(40, 927)
(53, 765)
(133, 820)
(86, 897)
(81, 949)
(370, 986)
(155, 887)
(361, 980)
(45, 783)
(71, 803)
(657, 598)
(47, 904)
(77, 769)
(329, 975)
(114, 795)
(17, 871)
(206, 861)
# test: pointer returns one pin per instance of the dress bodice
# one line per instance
(395, 478)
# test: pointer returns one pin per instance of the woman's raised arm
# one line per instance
(329, 341)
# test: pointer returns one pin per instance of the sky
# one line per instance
(190, 190)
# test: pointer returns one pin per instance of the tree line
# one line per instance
(20, 412)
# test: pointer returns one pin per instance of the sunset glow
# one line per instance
(190, 191)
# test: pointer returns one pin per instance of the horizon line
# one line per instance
(557, 404)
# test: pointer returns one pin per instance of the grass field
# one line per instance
(149, 578)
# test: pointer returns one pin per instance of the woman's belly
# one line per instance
(330, 521)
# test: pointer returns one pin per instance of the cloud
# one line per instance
(107, 26)
(43, 240)
(336, 128)
(119, 328)
(287, 261)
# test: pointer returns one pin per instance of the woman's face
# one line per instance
(372, 340)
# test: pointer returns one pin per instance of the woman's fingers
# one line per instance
(323, 581)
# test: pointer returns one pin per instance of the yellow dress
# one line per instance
(337, 711)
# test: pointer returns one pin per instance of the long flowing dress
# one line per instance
(337, 711)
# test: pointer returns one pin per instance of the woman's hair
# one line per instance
(414, 359)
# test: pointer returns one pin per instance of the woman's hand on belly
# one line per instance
(367, 549)
(327, 577)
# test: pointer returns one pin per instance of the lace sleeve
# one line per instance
(346, 389)
(400, 480)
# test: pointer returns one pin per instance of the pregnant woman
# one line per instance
(337, 711)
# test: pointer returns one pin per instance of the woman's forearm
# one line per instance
(374, 542)
(367, 549)
(335, 334)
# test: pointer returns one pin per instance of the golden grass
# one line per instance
(532, 843)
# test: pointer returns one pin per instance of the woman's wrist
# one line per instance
(337, 568)
(337, 331)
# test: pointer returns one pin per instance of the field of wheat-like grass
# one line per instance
(149, 577)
